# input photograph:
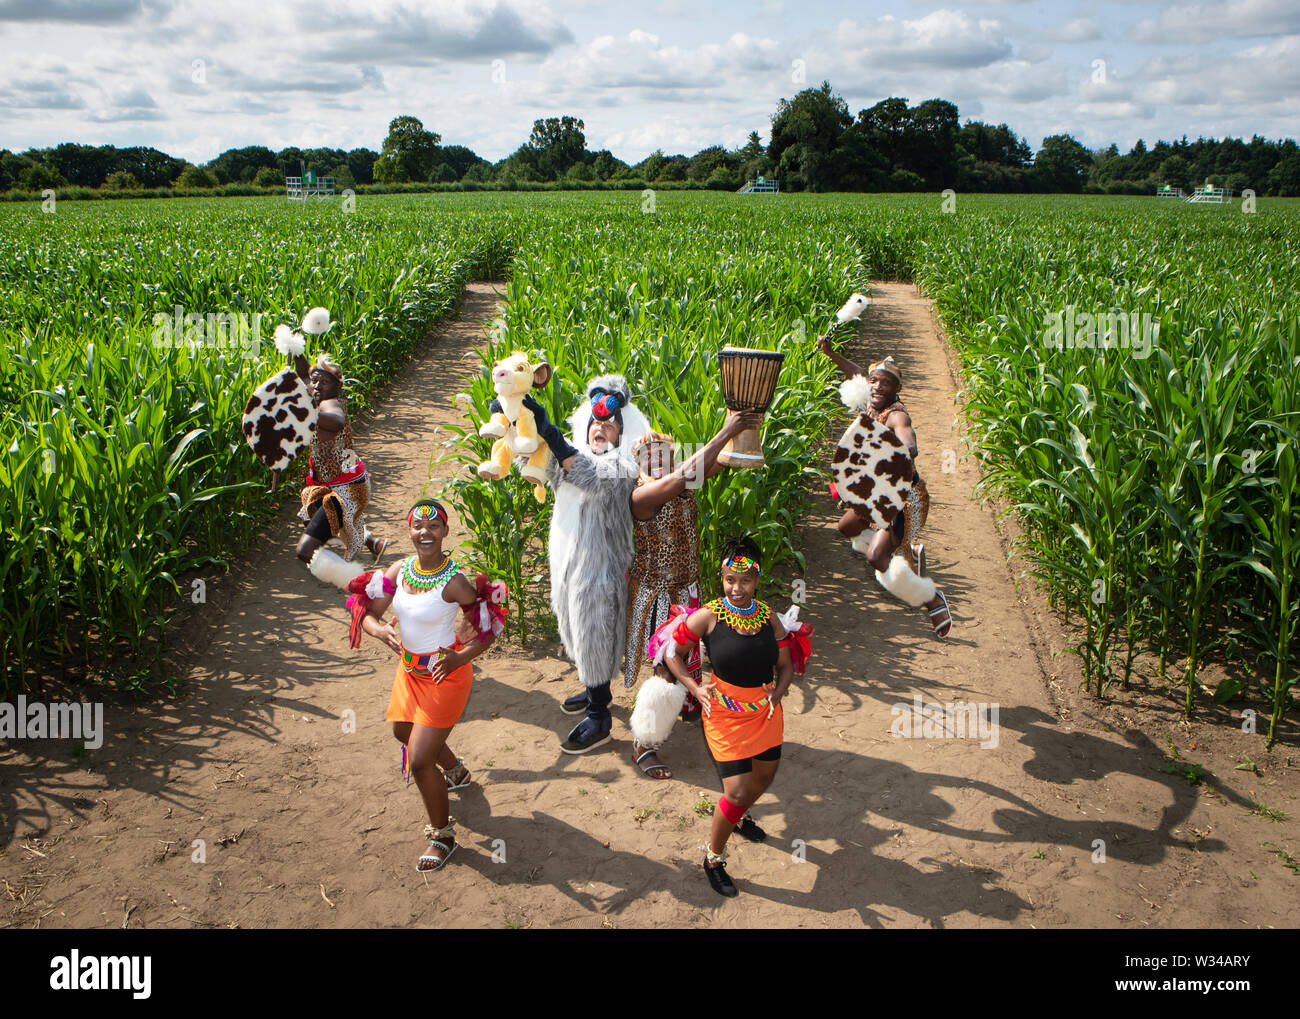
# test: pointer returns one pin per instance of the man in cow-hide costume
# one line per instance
(336, 490)
(898, 559)
(590, 544)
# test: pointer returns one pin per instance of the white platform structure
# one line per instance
(1208, 195)
(299, 189)
(759, 186)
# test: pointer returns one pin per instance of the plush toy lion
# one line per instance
(513, 425)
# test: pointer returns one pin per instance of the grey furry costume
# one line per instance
(591, 540)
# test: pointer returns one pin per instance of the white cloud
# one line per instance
(1239, 19)
(943, 38)
(1075, 30)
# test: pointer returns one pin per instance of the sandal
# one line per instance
(462, 778)
(941, 629)
(380, 545)
(717, 874)
(656, 771)
(436, 837)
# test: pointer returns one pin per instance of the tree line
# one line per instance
(816, 144)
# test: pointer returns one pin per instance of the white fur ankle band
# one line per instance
(327, 566)
(902, 583)
(658, 703)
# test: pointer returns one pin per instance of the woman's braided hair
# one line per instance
(740, 545)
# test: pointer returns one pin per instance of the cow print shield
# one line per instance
(873, 471)
(279, 419)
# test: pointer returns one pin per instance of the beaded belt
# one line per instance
(735, 705)
(418, 665)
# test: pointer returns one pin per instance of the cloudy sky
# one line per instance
(195, 77)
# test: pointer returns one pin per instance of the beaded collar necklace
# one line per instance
(752, 616)
(427, 580)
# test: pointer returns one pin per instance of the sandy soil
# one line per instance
(306, 824)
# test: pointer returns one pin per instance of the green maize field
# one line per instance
(1154, 481)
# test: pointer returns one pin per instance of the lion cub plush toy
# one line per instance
(513, 425)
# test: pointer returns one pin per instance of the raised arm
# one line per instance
(647, 498)
(849, 368)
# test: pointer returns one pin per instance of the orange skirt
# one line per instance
(735, 735)
(419, 700)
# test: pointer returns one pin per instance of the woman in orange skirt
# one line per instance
(751, 670)
(426, 591)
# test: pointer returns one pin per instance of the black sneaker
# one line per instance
(747, 829)
(720, 880)
(575, 705)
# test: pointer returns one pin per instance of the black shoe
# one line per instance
(586, 735)
(575, 705)
(747, 829)
(720, 880)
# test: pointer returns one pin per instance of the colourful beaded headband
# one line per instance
(424, 510)
(742, 564)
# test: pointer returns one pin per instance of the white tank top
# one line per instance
(428, 620)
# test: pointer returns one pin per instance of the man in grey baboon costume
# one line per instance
(590, 546)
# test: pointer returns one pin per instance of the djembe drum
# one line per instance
(748, 383)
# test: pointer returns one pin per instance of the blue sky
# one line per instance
(194, 78)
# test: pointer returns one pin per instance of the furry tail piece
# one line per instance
(902, 583)
(658, 703)
(327, 566)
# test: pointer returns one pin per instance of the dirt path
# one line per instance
(305, 824)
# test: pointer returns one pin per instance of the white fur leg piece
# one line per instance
(658, 703)
(327, 566)
(860, 543)
(901, 582)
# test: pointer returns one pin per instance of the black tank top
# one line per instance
(742, 659)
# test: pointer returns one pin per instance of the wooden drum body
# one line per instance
(748, 383)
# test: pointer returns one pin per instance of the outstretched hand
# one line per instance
(824, 345)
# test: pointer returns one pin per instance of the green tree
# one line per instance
(269, 177)
(1284, 178)
(38, 177)
(580, 171)
(1175, 172)
(805, 131)
(606, 165)
(196, 177)
(121, 180)
(342, 174)
(1062, 164)
(409, 152)
(557, 143)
